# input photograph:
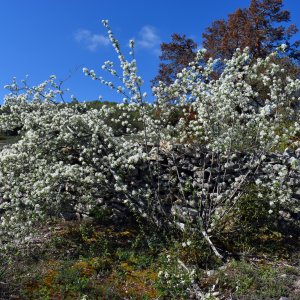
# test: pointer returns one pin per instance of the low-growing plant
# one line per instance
(174, 277)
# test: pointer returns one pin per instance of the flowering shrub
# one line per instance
(71, 159)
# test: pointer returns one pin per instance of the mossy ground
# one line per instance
(86, 260)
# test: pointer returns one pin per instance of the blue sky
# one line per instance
(45, 37)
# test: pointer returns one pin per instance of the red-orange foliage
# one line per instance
(257, 27)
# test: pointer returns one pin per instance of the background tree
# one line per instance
(175, 56)
(259, 27)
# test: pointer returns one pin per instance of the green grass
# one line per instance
(250, 281)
